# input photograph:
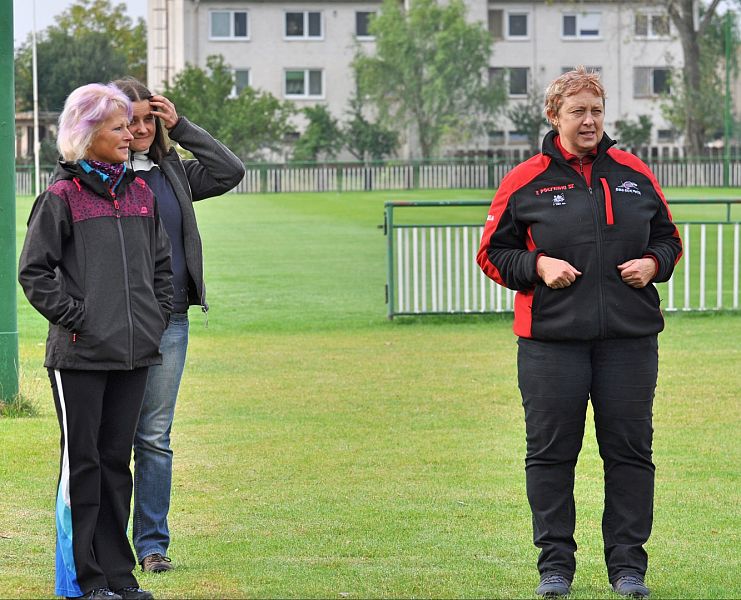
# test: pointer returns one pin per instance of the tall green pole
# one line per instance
(727, 107)
(8, 305)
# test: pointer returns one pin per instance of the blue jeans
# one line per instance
(152, 453)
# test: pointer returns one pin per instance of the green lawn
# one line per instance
(323, 451)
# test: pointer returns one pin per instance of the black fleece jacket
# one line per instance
(96, 264)
(214, 171)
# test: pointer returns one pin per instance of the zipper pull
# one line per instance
(117, 207)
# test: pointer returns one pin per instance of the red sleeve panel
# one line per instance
(506, 253)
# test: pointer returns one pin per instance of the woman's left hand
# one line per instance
(638, 272)
(165, 110)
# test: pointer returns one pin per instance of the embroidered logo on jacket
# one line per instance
(144, 210)
(554, 188)
(629, 187)
(559, 200)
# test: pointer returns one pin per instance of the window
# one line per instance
(304, 25)
(496, 137)
(517, 137)
(652, 25)
(649, 82)
(362, 24)
(514, 78)
(581, 25)
(304, 83)
(228, 25)
(496, 18)
(666, 135)
(517, 25)
(241, 81)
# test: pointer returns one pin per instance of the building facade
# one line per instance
(302, 51)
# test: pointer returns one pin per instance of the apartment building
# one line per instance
(302, 50)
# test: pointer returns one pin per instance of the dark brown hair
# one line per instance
(136, 92)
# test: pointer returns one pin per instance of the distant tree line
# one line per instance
(426, 81)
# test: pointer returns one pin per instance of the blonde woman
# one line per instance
(96, 264)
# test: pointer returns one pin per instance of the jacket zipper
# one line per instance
(600, 258)
(127, 285)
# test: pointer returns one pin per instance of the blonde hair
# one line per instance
(568, 84)
(84, 112)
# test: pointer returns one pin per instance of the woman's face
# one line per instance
(580, 122)
(142, 126)
(111, 141)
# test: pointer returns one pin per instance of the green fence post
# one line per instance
(8, 305)
(389, 231)
(263, 171)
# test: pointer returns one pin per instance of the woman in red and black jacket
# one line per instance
(582, 231)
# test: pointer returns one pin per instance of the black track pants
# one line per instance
(98, 412)
(556, 381)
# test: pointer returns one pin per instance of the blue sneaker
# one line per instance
(631, 585)
(553, 585)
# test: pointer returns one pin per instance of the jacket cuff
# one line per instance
(656, 262)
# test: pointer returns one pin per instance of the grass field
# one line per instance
(323, 451)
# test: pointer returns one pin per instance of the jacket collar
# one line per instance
(550, 147)
(71, 170)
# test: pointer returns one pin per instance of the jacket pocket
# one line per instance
(609, 218)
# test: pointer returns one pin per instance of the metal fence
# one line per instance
(440, 174)
(432, 267)
(452, 174)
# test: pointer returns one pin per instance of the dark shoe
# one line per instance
(134, 593)
(631, 585)
(100, 594)
(552, 585)
(156, 563)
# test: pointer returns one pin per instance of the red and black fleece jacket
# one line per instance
(543, 206)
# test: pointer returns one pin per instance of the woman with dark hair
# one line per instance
(96, 264)
(582, 231)
(177, 183)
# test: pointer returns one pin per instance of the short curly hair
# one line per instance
(568, 84)
(85, 110)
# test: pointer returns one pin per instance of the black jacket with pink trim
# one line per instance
(97, 266)
(543, 206)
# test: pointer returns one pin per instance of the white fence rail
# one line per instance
(270, 178)
(432, 269)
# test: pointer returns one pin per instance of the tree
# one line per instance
(249, 124)
(528, 118)
(365, 139)
(633, 135)
(428, 71)
(321, 136)
(64, 63)
(688, 105)
(91, 41)
(103, 17)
